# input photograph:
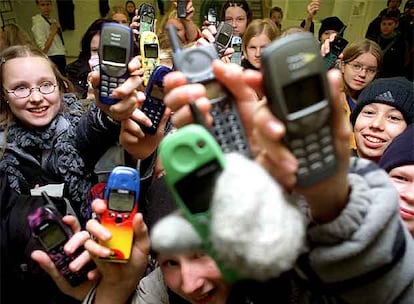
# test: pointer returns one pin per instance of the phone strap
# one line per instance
(59, 30)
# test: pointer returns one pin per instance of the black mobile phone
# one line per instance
(297, 93)
(146, 13)
(115, 51)
(227, 127)
(212, 16)
(47, 227)
(181, 8)
(153, 105)
(335, 49)
(223, 37)
(236, 44)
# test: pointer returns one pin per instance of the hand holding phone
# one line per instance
(52, 233)
(154, 106)
(227, 127)
(115, 52)
(298, 94)
(336, 47)
(121, 195)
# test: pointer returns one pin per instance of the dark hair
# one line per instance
(240, 3)
(92, 30)
(276, 9)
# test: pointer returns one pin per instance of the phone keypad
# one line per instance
(228, 130)
(315, 154)
(108, 84)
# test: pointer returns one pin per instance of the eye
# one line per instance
(20, 88)
(398, 177)
(169, 263)
(396, 117)
(46, 84)
(368, 111)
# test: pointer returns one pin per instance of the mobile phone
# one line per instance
(336, 47)
(115, 52)
(149, 50)
(223, 37)
(52, 233)
(227, 127)
(181, 8)
(297, 93)
(236, 44)
(212, 16)
(121, 195)
(146, 13)
(193, 160)
(153, 105)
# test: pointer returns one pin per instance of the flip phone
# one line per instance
(115, 51)
(297, 93)
(47, 227)
(227, 127)
(335, 49)
(149, 49)
(121, 195)
(146, 13)
(154, 106)
(212, 16)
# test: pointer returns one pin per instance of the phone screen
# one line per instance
(121, 200)
(151, 50)
(196, 189)
(157, 92)
(303, 93)
(51, 236)
(114, 53)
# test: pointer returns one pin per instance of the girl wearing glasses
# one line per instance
(360, 64)
(238, 14)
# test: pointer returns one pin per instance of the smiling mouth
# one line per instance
(374, 140)
(38, 110)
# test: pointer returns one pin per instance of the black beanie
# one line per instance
(400, 152)
(330, 23)
(394, 91)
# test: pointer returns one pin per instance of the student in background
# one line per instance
(361, 62)
(259, 34)
(311, 9)
(130, 8)
(276, 14)
(119, 14)
(385, 108)
(13, 34)
(398, 161)
(238, 14)
(48, 34)
(393, 46)
(374, 28)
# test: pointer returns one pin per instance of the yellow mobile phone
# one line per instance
(149, 49)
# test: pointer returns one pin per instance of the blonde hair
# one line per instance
(13, 34)
(259, 26)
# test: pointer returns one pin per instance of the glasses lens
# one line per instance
(46, 88)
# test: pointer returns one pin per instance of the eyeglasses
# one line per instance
(45, 88)
(358, 68)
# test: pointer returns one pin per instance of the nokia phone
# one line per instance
(236, 44)
(153, 105)
(146, 13)
(227, 127)
(115, 51)
(223, 37)
(149, 50)
(52, 233)
(181, 8)
(297, 93)
(121, 195)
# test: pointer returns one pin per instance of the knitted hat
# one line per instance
(330, 23)
(400, 152)
(394, 91)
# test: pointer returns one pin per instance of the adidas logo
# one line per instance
(386, 96)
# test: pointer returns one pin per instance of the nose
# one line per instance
(35, 95)
(190, 280)
(377, 122)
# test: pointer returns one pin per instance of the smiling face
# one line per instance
(358, 80)
(195, 277)
(36, 110)
(375, 127)
(403, 179)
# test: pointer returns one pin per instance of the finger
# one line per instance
(184, 116)
(183, 95)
